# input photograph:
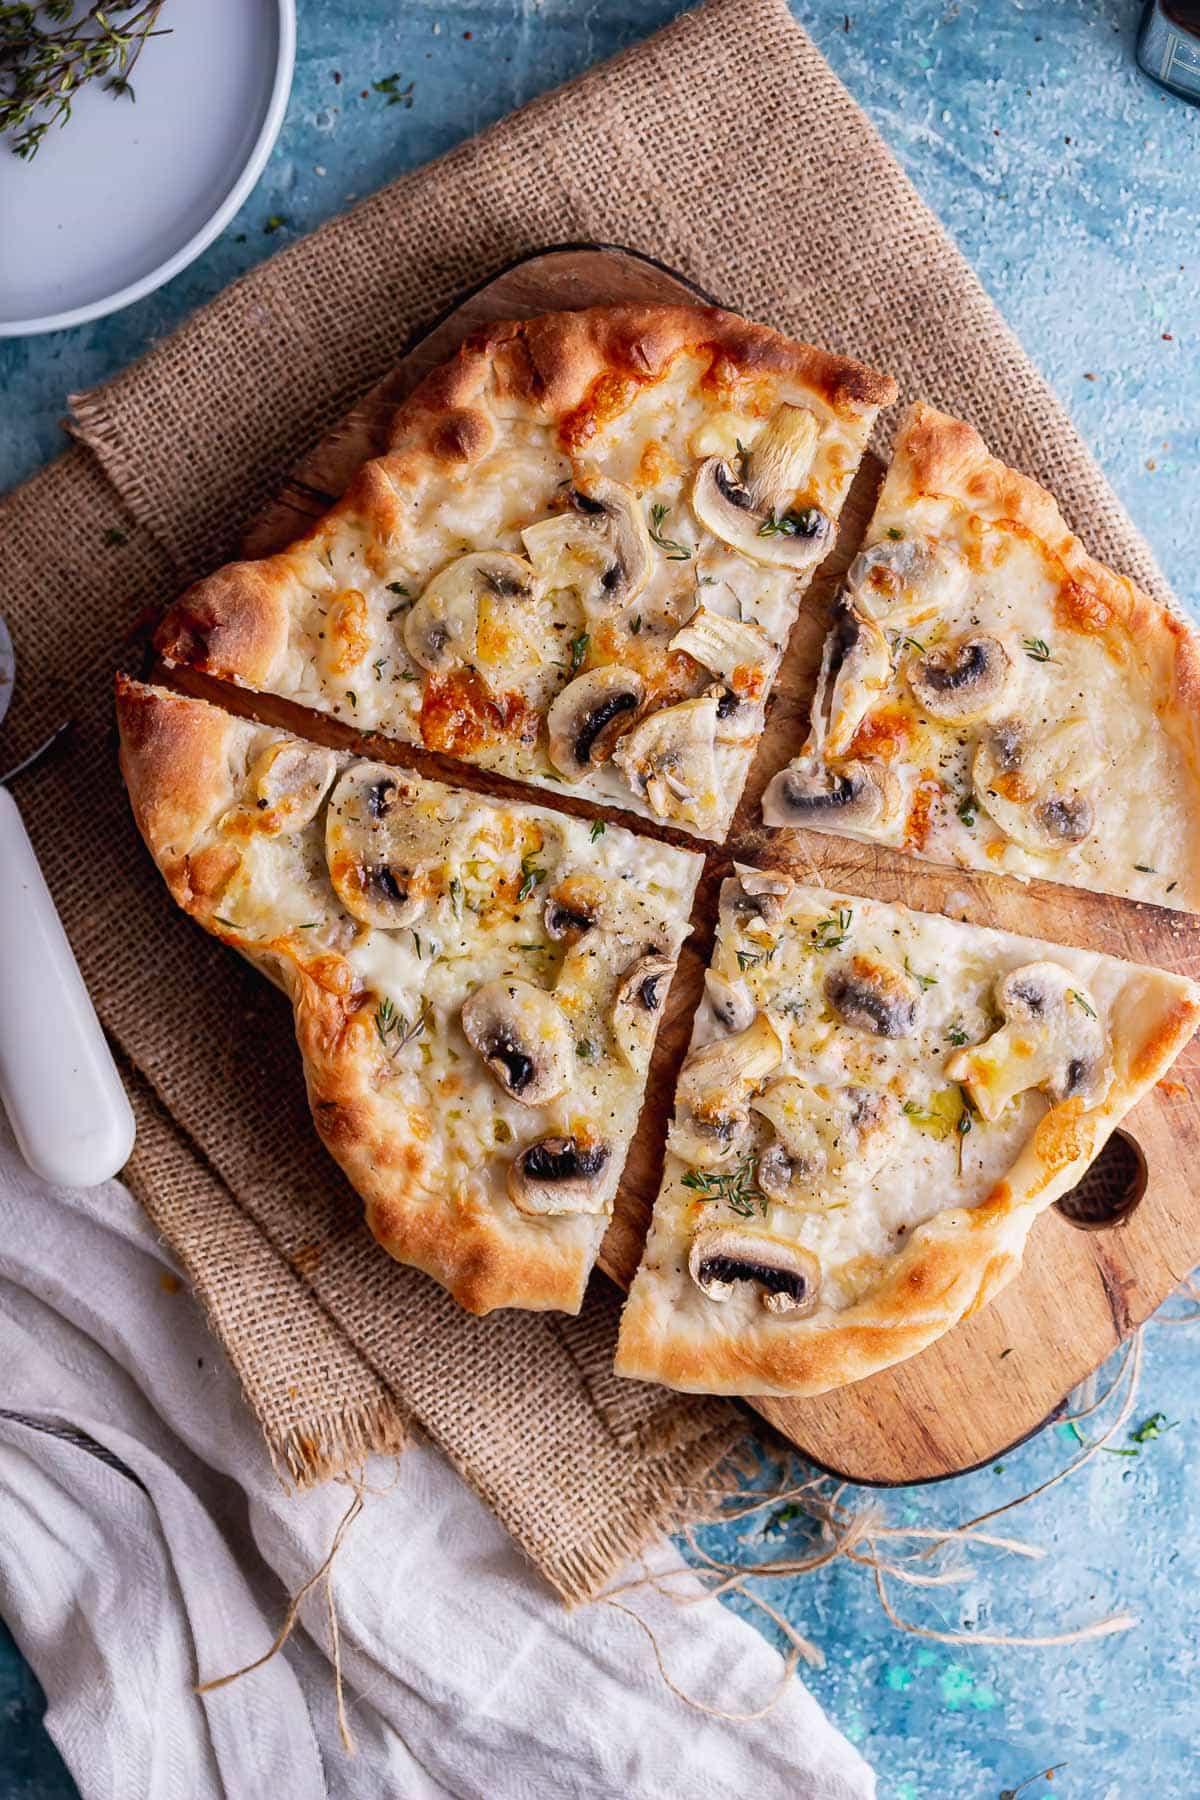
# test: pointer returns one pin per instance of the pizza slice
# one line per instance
(993, 698)
(476, 984)
(876, 1106)
(577, 563)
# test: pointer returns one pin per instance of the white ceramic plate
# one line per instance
(126, 195)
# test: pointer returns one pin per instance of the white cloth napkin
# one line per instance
(464, 1674)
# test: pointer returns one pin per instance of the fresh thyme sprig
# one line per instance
(47, 56)
(738, 1188)
(675, 552)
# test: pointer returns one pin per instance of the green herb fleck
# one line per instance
(1081, 1003)
(378, 666)
(598, 829)
(783, 1515)
(1145, 869)
(579, 649)
(585, 1049)
(924, 982)
(738, 1188)
(531, 874)
(956, 1035)
(394, 94)
(894, 531)
(635, 624)
(831, 934)
(675, 552)
(1037, 649)
(393, 1029)
(804, 523)
(1153, 1427)
(967, 808)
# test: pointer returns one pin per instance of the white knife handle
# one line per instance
(58, 1081)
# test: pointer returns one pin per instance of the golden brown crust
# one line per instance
(173, 755)
(465, 1247)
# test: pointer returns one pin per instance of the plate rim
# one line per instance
(194, 246)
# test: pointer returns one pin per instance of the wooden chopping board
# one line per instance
(1002, 1374)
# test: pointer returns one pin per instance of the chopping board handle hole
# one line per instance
(1110, 1190)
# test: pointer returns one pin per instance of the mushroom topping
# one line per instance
(855, 666)
(520, 1033)
(873, 996)
(856, 796)
(730, 1002)
(726, 646)
(817, 1133)
(1037, 788)
(599, 546)
(441, 627)
(385, 845)
(574, 906)
(753, 510)
(1052, 1039)
(760, 893)
(670, 759)
(588, 716)
(787, 1277)
(638, 1002)
(560, 1175)
(287, 783)
(963, 679)
(900, 575)
(711, 1119)
(738, 721)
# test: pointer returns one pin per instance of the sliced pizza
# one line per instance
(876, 1106)
(476, 984)
(992, 697)
(578, 562)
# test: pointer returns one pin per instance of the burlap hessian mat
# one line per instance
(725, 147)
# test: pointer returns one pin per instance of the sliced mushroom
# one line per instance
(589, 714)
(753, 510)
(856, 665)
(287, 783)
(962, 679)
(726, 646)
(560, 1175)
(730, 1002)
(739, 721)
(522, 1036)
(670, 759)
(385, 845)
(637, 1007)
(575, 906)
(441, 626)
(759, 893)
(873, 996)
(903, 575)
(599, 546)
(856, 796)
(1052, 1039)
(817, 1133)
(787, 1276)
(711, 1119)
(1037, 788)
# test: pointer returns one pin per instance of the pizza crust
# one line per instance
(490, 444)
(436, 1198)
(957, 1258)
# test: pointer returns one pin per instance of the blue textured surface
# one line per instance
(1074, 187)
